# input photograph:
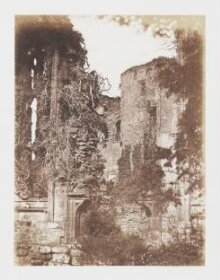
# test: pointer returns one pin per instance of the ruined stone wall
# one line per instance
(143, 101)
(109, 108)
(149, 116)
(149, 119)
(44, 45)
(40, 241)
(62, 163)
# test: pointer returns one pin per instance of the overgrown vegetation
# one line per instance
(146, 178)
(65, 147)
(35, 33)
(187, 85)
(72, 153)
(105, 244)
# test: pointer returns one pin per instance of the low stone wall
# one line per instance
(47, 255)
(38, 240)
(32, 225)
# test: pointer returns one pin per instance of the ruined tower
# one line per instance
(149, 122)
(149, 116)
(145, 106)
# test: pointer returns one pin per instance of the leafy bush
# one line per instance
(105, 244)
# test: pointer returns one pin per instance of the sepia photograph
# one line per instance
(109, 120)
(109, 140)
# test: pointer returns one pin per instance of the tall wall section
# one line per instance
(149, 116)
(55, 170)
(149, 119)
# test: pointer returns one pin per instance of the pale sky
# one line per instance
(113, 48)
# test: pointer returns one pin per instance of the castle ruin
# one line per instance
(76, 130)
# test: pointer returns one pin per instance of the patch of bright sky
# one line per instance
(113, 48)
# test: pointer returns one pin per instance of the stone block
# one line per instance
(53, 225)
(40, 259)
(46, 257)
(37, 262)
(75, 261)
(23, 260)
(60, 249)
(75, 252)
(44, 249)
(34, 249)
(61, 258)
(49, 236)
(21, 252)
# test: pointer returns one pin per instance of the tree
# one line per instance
(185, 80)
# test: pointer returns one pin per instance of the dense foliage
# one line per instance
(185, 80)
(71, 149)
(35, 33)
(105, 244)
